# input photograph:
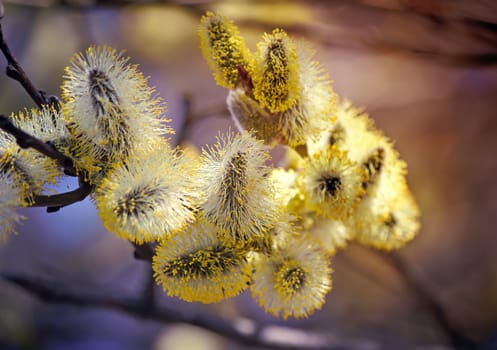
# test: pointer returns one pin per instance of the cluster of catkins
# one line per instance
(223, 219)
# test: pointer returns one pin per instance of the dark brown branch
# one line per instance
(144, 251)
(15, 71)
(25, 140)
(273, 337)
(57, 201)
(430, 300)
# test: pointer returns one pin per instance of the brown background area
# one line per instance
(424, 70)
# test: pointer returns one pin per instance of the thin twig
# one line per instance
(187, 119)
(25, 140)
(15, 71)
(245, 331)
(57, 201)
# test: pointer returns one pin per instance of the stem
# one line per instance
(25, 140)
(57, 201)
(144, 251)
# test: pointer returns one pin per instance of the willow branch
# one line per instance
(144, 251)
(15, 71)
(57, 201)
(25, 140)
(243, 331)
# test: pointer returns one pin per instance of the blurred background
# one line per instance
(426, 71)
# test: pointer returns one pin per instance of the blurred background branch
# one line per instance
(245, 331)
(466, 33)
(429, 300)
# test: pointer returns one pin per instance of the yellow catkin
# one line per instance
(195, 265)
(332, 183)
(150, 198)
(276, 72)
(308, 108)
(240, 198)
(10, 198)
(31, 169)
(223, 48)
(293, 280)
(110, 110)
(388, 218)
(317, 104)
(355, 132)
